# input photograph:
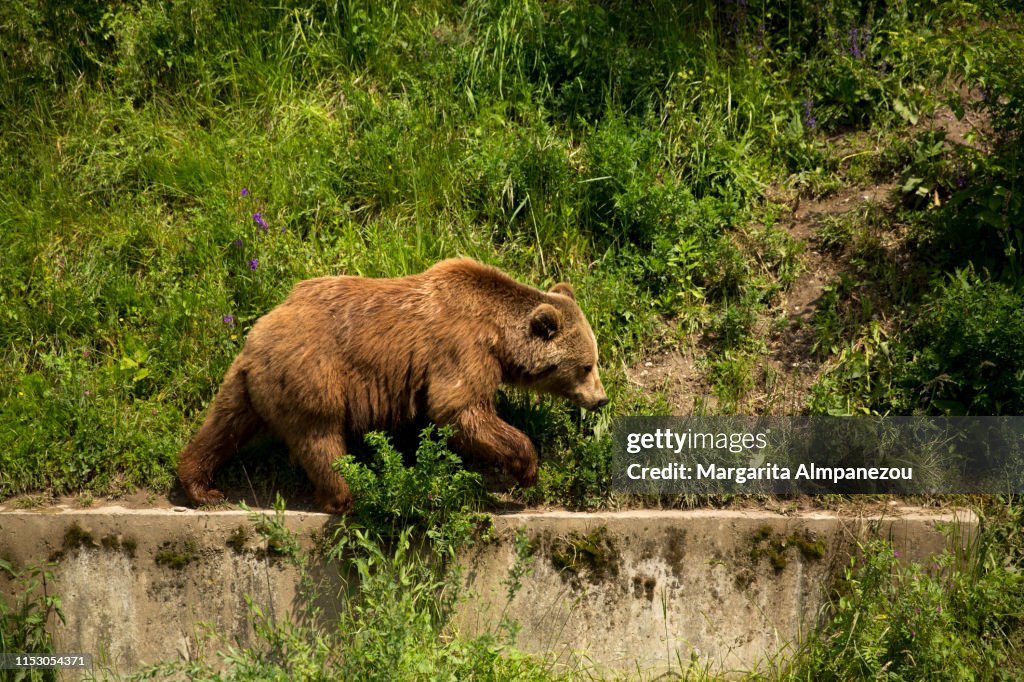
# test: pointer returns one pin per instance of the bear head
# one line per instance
(561, 351)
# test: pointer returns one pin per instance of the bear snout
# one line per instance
(591, 401)
(590, 394)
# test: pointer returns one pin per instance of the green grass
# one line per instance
(24, 621)
(644, 152)
(630, 150)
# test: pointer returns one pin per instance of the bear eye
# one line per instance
(586, 370)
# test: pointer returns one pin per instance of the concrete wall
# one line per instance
(623, 590)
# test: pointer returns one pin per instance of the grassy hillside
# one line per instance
(169, 171)
(764, 207)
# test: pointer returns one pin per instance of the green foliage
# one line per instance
(398, 585)
(397, 620)
(436, 496)
(981, 222)
(627, 149)
(949, 619)
(733, 376)
(957, 349)
(23, 622)
(860, 379)
(959, 355)
(970, 340)
(279, 541)
(574, 445)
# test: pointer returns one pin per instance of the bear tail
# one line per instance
(231, 422)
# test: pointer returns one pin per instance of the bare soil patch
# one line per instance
(790, 362)
(788, 365)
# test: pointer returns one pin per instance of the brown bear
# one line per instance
(346, 355)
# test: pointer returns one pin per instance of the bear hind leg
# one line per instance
(230, 423)
(315, 452)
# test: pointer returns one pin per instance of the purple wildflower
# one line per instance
(737, 16)
(859, 41)
(253, 264)
(238, 243)
(896, 554)
(244, 192)
(810, 122)
(938, 609)
(257, 218)
(86, 354)
(229, 320)
(855, 43)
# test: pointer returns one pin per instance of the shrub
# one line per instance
(969, 337)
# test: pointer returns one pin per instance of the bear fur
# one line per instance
(346, 355)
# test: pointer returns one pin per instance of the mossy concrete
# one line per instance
(652, 590)
(635, 590)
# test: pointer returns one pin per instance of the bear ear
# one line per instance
(545, 321)
(564, 289)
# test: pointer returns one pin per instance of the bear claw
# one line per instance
(204, 495)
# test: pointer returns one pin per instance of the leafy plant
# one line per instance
(971, 348)
(398, 586)
(23, 623)
(436, 496)
(950, 618)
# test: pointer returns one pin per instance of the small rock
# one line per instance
(180, 509)
(648, 364)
